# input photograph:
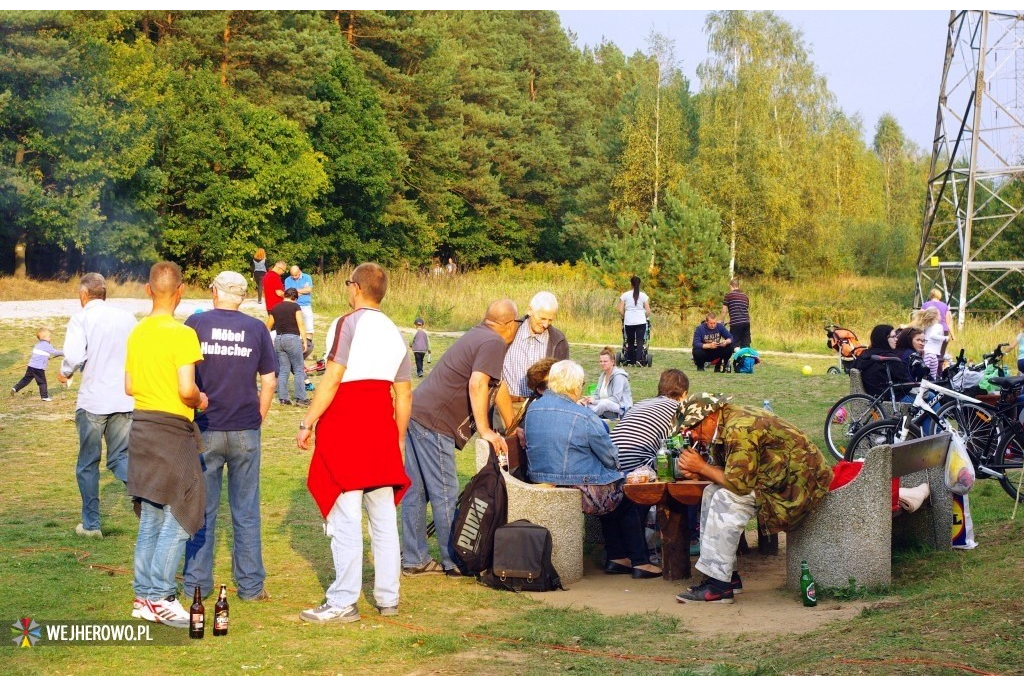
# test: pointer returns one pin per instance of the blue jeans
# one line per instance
(158, 551)
(239, 451)
(92, 429)
(430, 465)
(289, 358)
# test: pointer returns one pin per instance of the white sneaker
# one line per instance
(87, 533)
(46, 399)
(170, 612)
(142, 609)
(326, 613)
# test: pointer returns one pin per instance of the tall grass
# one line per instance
(13, 289)
(787, 316)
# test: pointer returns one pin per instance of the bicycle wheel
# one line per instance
(882, 432)
(845, 418)
(1009, 459)
(976, 424)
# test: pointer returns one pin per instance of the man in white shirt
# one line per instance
(96, 341)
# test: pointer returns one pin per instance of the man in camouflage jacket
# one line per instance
(764, 466)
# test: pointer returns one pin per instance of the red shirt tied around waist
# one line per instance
(357, 444)
(357, 459)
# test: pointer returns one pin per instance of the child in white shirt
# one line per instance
(933, 338)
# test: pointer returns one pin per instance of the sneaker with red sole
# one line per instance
(706, 592)
(142, 609)
(170, 612)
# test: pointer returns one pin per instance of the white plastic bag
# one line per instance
(959, 471)
(962, 534)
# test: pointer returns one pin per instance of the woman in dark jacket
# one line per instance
(909, 346)
(873, 373)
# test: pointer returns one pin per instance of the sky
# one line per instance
(874, 61)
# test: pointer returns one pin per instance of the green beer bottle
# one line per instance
(807, 593)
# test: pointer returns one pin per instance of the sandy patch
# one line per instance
(764, 607)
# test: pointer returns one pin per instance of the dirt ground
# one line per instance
(764, 607)
(50, 309)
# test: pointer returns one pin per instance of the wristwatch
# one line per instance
(303, 426)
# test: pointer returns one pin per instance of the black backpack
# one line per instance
(522, 559)
(482, 507)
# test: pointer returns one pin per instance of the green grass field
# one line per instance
(947, 613)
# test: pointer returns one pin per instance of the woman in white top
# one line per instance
(635, 308)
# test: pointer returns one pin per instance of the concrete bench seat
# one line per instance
(560, 510)
(850, 534)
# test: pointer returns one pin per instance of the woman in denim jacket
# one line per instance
(567, 444)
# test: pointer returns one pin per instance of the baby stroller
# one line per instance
(844, 342)
(643, 354)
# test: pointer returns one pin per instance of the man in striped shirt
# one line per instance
(736, 307)
(535, 340)
(640, 433)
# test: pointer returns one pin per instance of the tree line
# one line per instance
(328, 137)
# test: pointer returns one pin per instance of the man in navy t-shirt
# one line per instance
(236, 349)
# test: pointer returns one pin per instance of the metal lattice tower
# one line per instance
(978, 153)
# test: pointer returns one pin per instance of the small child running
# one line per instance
(36, 369)
(420, 346)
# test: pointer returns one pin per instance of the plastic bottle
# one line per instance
(662, 462)
(767, 406)
(807, 592)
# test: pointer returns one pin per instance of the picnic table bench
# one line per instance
(850, 534)
(671, 499)
(560, 510)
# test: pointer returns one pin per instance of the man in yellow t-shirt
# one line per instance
(164, 471)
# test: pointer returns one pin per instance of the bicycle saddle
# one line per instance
(1008, 382)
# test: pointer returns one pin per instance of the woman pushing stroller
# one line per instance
(635, 309)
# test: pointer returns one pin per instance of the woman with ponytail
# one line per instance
(635, 308)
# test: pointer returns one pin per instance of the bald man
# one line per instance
(447, 408)
(164, 471)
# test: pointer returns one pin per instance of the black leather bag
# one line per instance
(522, 559)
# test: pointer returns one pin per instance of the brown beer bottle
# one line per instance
(220, 612)
(196, 617)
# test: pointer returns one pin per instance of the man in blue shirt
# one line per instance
(712, 344)
(303, 283)
(236, 348)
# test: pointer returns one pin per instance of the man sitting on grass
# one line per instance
(712, 344)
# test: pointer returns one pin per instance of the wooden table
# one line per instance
(671, 499)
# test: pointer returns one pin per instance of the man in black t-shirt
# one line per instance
(236, 349)
(447, 407)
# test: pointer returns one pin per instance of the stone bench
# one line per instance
(850, 534)
(560, 510)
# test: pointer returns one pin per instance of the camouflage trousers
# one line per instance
(723, 517)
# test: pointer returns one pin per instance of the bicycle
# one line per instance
(994, 437)
(854, 411)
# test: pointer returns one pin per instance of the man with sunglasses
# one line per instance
(450, 405)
